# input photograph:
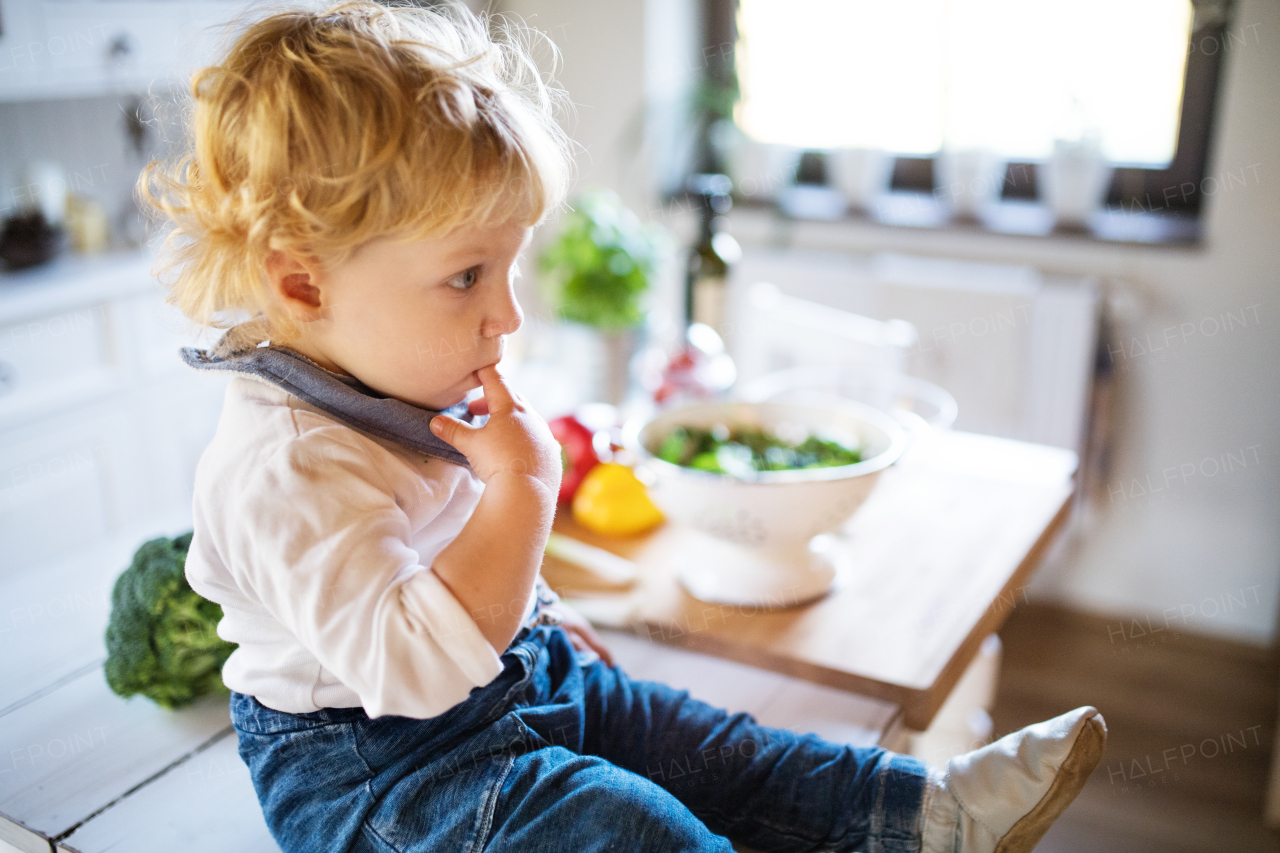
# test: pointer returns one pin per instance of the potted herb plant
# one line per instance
(598, 273)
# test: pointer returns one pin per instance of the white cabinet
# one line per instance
(101, 424)
(79, 48)
(62, 484)
(51, 359)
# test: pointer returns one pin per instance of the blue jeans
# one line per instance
(560, 754)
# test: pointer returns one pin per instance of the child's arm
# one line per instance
(314, 532)
(491, 565)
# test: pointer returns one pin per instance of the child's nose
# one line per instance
(506, 321)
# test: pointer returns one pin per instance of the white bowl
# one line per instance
(771, 526)
(912, 402)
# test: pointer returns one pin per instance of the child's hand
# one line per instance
(514, 440)
(580, 632)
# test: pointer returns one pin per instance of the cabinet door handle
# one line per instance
(120, 46)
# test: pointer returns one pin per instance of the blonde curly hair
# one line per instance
(317, 131)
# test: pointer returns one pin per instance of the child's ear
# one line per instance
(293, 283)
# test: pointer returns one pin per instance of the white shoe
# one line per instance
(1003, 797)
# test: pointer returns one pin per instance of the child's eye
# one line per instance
(463, 280)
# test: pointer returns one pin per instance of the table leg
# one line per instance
(964, 720)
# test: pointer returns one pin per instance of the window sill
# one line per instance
(1016, 218)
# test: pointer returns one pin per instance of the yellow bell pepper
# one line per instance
(611, 500)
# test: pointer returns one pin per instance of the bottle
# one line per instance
(710, 260)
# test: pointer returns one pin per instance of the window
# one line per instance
(1011, 76)
(913, 77)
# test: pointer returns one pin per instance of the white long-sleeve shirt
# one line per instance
(317, 540)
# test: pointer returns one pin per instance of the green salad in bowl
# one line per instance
(747, 450)
(769, 481)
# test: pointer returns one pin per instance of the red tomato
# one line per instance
(577, 455)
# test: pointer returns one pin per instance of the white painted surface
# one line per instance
(78, 748)
(54, 617)
(18, 839)
(204, 805)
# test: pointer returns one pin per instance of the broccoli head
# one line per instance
(162, 638)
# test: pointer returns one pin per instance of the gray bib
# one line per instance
(345, 397)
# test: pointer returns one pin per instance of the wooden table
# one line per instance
(940, 552)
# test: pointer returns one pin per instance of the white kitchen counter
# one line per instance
(71, 280)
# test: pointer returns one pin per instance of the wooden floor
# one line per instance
(1191, 723)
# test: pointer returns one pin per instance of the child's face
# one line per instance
(416, 320)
